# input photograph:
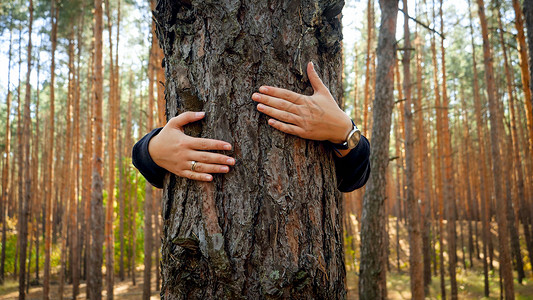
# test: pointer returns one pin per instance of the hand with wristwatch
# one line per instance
(316, 117)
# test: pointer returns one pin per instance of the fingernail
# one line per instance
(208, 177)
(263, 89)
(200, 114)
(227, 147)
(230, 161)
(271, 121)
(256, 96)
(224, 169)
(260, 106)
(312, 65)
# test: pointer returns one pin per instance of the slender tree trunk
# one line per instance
(439, 174)
(368, 63)
(496, 133)
(109, 240)
(97, 217)
(424, 168)
(514, 161)
(482, 167)
(467, 141)
(448, 189)
(5, 171)
(50, 152)
(37, 180)
(147, 274)
(372, 281)
(24, 213)
(525, 212)
(416, 266)
(133, 187)
(528, 16)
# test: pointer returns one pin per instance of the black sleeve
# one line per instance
(143, 161)
(353, 169)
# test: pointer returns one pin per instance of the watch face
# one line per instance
(353, 140)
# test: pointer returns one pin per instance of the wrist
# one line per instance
(152, 149)
(341, 132)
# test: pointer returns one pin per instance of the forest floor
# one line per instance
(470, 281)
(123, 289)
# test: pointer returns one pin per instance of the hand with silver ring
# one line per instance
(188, 156)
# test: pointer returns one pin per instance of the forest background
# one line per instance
(46, 130)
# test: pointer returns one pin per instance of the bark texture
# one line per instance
(372, 281)
(272, 227)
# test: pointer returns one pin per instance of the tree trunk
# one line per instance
(24, 214)
(94, 283)
(369, 58)
(5, 171)
(525, 212)
(496, 134)
(424, 168)
(268, 234)
(50, 155)
(147, 274)
(439, 169)
(482, 167)
(372, 281)
(448, 189)
(514, 161)
(528, 15)
(109, 240)
(416, 266)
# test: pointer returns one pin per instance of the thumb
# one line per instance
(316, 82)
(185, 118)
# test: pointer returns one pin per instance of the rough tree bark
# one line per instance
(272, 227)
(372, 281)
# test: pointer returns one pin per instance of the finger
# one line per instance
(279, 114)
(211, 158)
(282, 93)
(197, 176)
(316, 82)
(209, 144)
(185, 118)
(276, 103)
(210, 168)
(287, 128)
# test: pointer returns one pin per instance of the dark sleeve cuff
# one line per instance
(353, 169)
(144, 163)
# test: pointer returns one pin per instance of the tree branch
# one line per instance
(421, 24)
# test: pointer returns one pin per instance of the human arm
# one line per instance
(169, 149)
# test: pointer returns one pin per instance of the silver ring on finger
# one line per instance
(193, 165)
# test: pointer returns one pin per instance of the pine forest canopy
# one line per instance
(444, 98)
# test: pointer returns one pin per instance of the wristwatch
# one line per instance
(352, 139)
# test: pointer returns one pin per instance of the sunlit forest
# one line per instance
(83, 81)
